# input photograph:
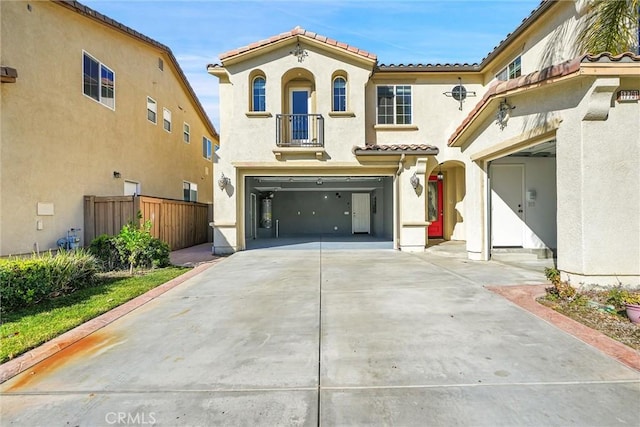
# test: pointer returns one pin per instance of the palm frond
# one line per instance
(611, 26)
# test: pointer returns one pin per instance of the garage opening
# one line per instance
(332, 208)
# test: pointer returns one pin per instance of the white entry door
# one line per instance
(507, 205)
(360, 213)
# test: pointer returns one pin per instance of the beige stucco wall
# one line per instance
(59, 145)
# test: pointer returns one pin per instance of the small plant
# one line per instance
(132, 241)
(560, 290)
(104, 249)
(619, 296)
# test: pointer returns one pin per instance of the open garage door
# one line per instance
(318, 207)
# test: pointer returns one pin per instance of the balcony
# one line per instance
(299, 130)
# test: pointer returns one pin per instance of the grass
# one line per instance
(25, 329)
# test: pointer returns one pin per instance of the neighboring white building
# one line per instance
(542, 155)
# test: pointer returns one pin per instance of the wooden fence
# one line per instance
(180, 224)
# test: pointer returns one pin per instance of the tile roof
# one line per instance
(90, 13)
(560, 70)
(297, 31)
(371, 149)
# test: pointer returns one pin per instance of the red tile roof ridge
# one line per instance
(499, 87)
(613, 58)
(295, 32)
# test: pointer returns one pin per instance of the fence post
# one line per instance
(136, 209)
(89, 219)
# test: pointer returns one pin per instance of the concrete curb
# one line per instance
(25, 361)
(525, 296)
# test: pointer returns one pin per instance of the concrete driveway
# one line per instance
(331, 337)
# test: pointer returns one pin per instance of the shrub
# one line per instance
(104, 249)
(560, 290)
(133, 247)
(27, 281)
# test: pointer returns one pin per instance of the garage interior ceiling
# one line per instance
(317, 183)
(545, 149)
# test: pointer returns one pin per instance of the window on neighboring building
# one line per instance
(98, 81)
(185, 133)
(511, 71)
(339, 94)
(152, 110)
(190, 191)
(394, 105)
(206, 148)
(259, 100)
(166, 119)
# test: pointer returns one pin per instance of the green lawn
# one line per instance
(25, 329)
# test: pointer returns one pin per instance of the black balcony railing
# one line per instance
(299, 130)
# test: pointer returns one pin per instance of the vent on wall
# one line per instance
(160, 64)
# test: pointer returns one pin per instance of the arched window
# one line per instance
(339, 94)
(259, 98)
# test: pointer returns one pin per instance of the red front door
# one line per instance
(434, 207)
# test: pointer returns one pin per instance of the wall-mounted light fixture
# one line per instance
(503, 113)
(414, 180)
(299, 52)
(223, 181)
(116, 174)
(319, 181)
(440, 175)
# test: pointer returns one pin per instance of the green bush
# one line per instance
(27, 281)
(133, 247)
(104, 249)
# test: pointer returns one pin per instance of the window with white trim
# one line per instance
(206, 148)
(152, 110)
(394, 105)
(339, 102)
(166, 119)
(186, 136)
(259, 91)
(98, 81)
(189, 191)
(511, 71)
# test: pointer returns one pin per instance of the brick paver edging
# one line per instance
(25, 361)
(525, 297)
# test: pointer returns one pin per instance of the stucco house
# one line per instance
(90, 107)
(535, 149)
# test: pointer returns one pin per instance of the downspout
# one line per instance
(397, 197)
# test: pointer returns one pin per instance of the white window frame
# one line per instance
(186, 133)
(101, 98)
(510, 71)
(166, 118)
(193, 190)
(207, 148)
(395, 112)
(333, 93)
(154, 110)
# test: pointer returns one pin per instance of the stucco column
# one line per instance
(225, 225)
(413, 224)
(475, 219)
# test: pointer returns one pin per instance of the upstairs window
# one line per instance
(98, 81)
(339, 94)
(511, 71)
(259, 100)
(206, 148)
(186, 136)
(152, 110)
(394, 105)
(166, 119)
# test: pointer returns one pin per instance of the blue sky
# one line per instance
(398, 32)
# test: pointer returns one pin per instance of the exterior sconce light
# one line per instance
(504, 111)
(440, 175)
(223, 181)
(116, 174)
(319, 181)
(414, 180)
(299, 52)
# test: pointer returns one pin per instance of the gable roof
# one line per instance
(105, 20)
(537, 79)
(296, 32)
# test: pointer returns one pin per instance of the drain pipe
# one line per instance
(397, 193)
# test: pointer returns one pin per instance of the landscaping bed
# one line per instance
(600, 309)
